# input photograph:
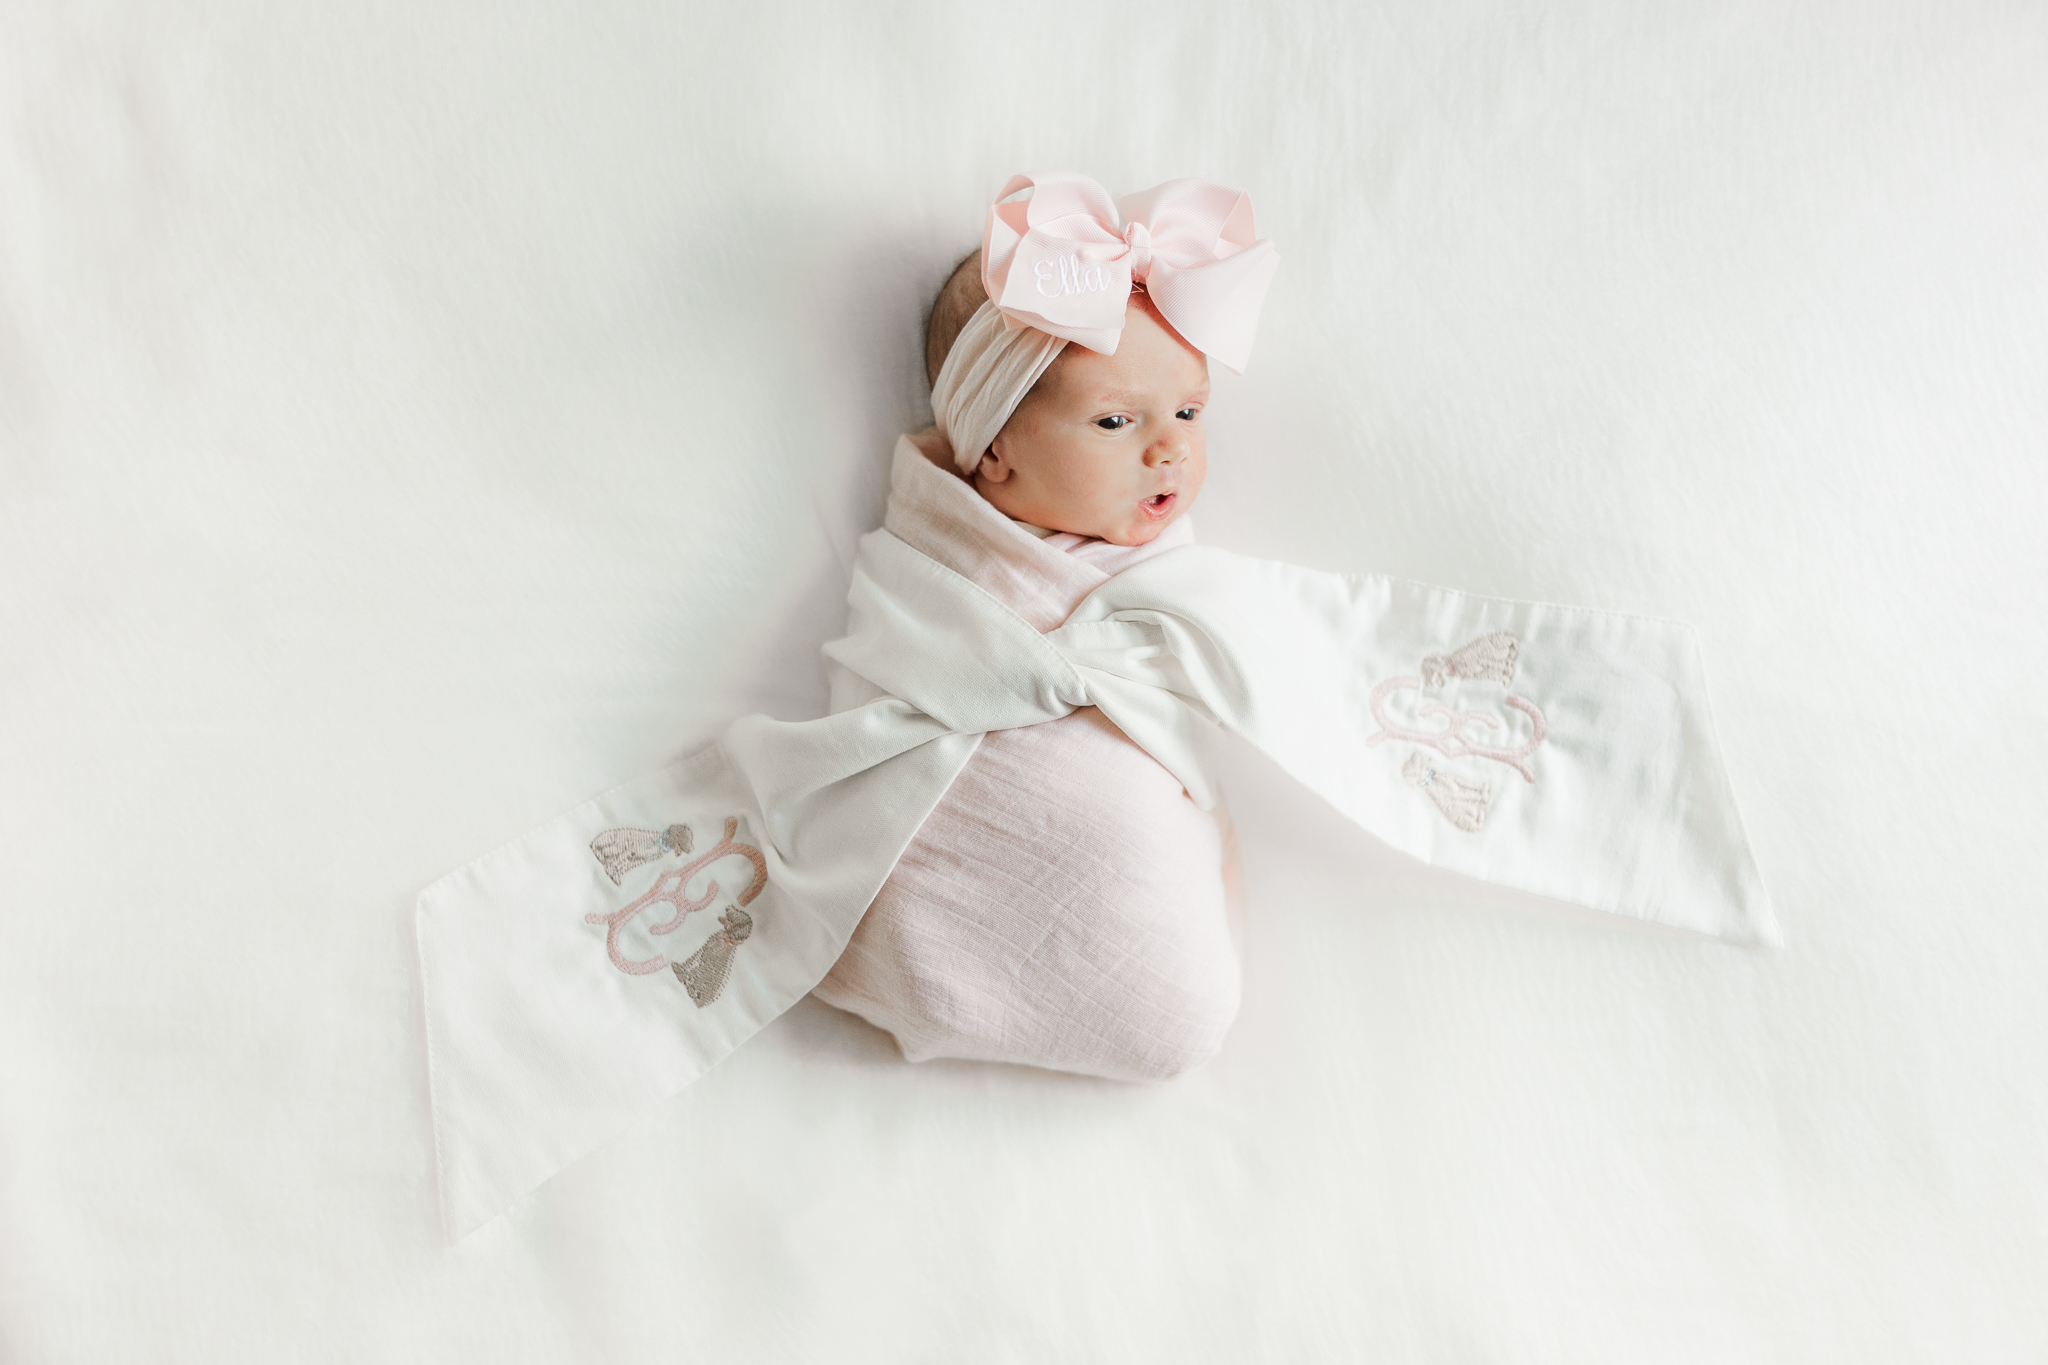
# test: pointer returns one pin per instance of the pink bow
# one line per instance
(1062, 261)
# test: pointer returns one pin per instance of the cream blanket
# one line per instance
(1561, 751)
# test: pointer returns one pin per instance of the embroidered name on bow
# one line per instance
(1060, 276)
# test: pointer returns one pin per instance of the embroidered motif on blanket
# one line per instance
(1462, 803)
(1489, 658)
(619, 851)
(668, 890)
(704, 972)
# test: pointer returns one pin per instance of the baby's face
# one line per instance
(1107, 445)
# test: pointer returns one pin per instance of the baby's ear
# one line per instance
(995, 464)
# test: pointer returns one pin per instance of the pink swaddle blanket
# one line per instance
(1065, 904)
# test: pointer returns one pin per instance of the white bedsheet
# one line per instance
(359, 367)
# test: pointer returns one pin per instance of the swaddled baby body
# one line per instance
(1066, 904)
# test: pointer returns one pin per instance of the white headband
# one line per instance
(991, 367)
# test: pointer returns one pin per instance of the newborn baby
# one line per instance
(1066, 904)
(970, 854)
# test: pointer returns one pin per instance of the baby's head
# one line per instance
(1073, 397)
(1108, 446)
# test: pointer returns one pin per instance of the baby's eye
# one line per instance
(1112, 423)
(1188, 414)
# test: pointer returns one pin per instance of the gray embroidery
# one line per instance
(1490, 657)
(1462, 803)
(704, 972)
(619, 851)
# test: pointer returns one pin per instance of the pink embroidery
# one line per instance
(668, 890)
(1454, 742)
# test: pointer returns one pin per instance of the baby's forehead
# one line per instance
(1142, 368)
(1153, 382)
(1127, 383)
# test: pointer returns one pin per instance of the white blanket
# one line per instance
(1390, 700)
(414, 419)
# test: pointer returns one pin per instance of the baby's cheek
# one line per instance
(1091, 490)
(1198, 475)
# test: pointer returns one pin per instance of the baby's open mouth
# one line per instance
(1159, 504)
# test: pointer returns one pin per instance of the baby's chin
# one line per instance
(1143, 524)
(1132, 535)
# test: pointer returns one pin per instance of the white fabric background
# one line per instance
(417, 418)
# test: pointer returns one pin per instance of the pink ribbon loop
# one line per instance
(1065, 259)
